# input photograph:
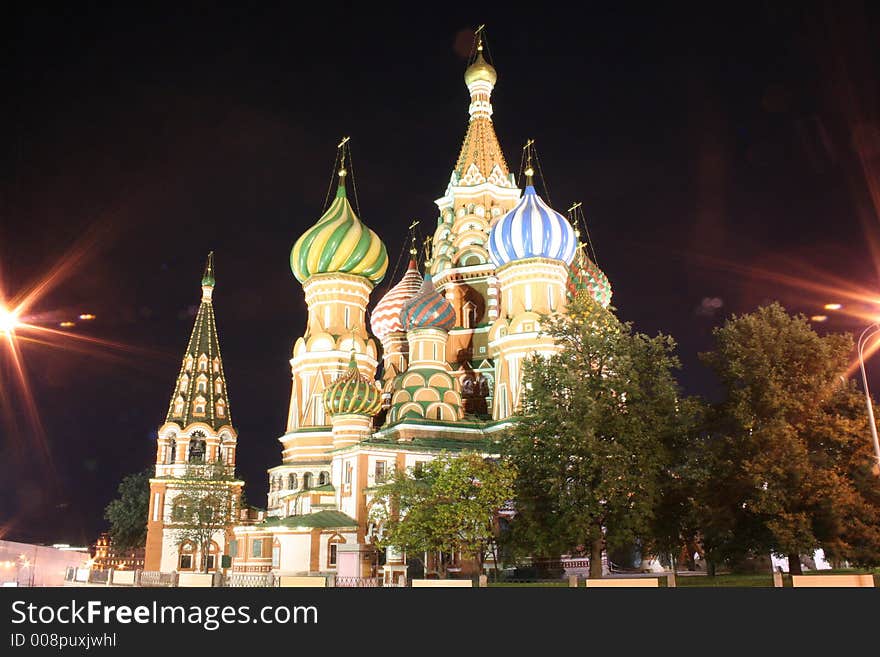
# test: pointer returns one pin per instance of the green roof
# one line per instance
(320, 519)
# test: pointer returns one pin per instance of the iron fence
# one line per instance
(156, 578)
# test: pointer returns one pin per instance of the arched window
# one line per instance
(439, 412)
(323, 478)
(178, 406)
(291, 481)
(469, 312)
(202, 384)
(188, 363)
(221, 408)
(307, 480)
(187, 561)
(197, 448)
(203, 363)
(199, 405)
(216, 365)
(218, 385)
(184, 383)
(171, 451)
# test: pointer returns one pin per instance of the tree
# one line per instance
(591, 441)
(782, 466)
(128, 512)
(204, 505)
(450, 505)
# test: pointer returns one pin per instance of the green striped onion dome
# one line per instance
(339, 242)
(352, 393)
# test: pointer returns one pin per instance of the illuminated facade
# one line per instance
(453, 334)
(197, 432)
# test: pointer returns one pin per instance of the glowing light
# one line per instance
(67, 324)
(818, 318)
(87, 316)
(8, 320)
(833, 306)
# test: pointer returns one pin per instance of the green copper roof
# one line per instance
(321, 519)
(200, 393)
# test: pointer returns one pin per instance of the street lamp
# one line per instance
(866, 335)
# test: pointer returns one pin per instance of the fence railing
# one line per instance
(241, 580)
(98, 576)
(358, 582)
(156, 578)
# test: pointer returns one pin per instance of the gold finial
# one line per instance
(478, 33)
(412, 238)
(427, 249)
(340, 147)
(529, 171)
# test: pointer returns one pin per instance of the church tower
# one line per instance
(481, 190)
(338, 261)
(198, 430)
(532, 248)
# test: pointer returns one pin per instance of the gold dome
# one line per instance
(480, 70)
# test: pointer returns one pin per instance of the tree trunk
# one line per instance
(596, 557)
(794, 564)
(710, 567)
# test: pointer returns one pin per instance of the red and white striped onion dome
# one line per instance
(385, 318)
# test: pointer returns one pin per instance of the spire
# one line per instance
(480, 148)
(208, 281)
(342, 172)
(529, 170)
(200, 393)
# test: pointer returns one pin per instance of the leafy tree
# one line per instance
(128, 512)
(204, 505)
(591, 442)
(786, 456)
(450, 505)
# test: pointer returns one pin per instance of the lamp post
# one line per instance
(866, 335)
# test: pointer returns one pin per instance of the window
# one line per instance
(348, 473)
(257, 548)
(469, 313)
(203, 363)
(439, 412)
(210, 565)
(221, 409)
(186, 562)
(291, 481)
(178, 406)
(184, 383)
(419, 467)
(233, 548)
(347, 316)
(380, 472)
(218, 385)
(178, 512)
(216, 365)
(323, 478)
(188, 363)
(307, 480)
(199, 406)
(331, 560)
(170, 451)
(202, 384)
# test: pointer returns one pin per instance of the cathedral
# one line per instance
(435, 367)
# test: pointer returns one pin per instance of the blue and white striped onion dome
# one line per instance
(532, 229)
(428, 309)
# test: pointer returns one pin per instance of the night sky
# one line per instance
(704, 146)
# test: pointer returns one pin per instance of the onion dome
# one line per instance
(385, 318)
(352, 393)
(585, 276)
(428, 309)
(532, 229)
(480, 70)
(339, 242)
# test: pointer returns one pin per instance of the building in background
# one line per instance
(105, 556)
